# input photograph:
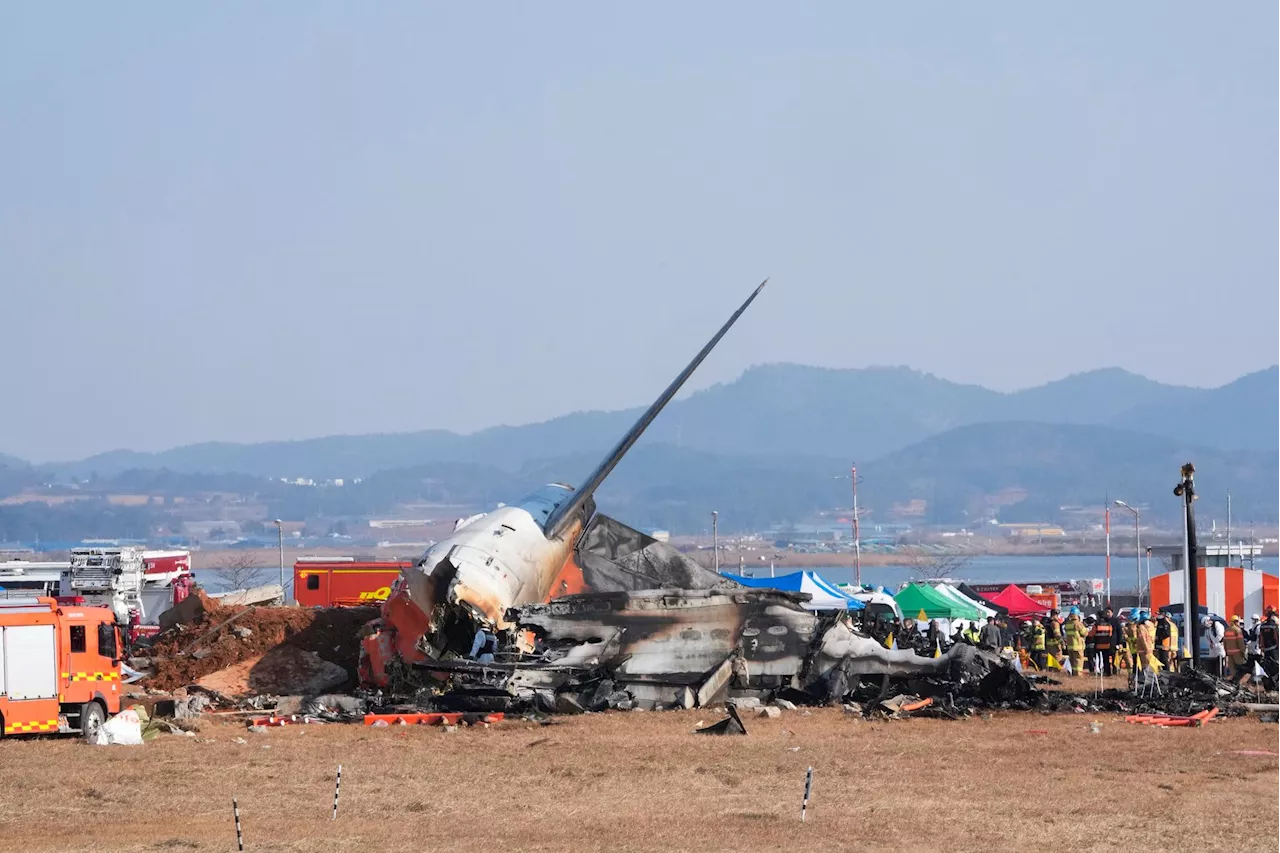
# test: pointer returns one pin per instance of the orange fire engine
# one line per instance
(344, 581)
(59, 667)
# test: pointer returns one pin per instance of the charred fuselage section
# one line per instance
(670, 648)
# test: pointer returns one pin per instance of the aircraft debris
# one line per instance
(464, 587)
(730, 725)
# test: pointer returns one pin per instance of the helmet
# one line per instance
(1075, 610)
(1236, 619)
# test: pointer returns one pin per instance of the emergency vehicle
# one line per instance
(344, 581)
(59, 667)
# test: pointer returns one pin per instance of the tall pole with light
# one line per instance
(1190, 557)
(715, 538)
(284, 596)
(857, 539)
(1106, 524)
(1137, 535)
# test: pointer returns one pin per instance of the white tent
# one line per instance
(951, 592)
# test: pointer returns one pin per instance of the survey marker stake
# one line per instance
(235, 811)
(808, 786)
(337, 786)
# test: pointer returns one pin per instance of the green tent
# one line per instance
(916, 597)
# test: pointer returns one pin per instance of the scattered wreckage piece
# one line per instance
(435, 718)
(730, 725)
(1194, 720)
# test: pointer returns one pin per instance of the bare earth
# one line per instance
(642, 782)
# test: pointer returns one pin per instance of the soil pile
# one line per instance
(333, 634)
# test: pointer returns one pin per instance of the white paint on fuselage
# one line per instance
(502, 559)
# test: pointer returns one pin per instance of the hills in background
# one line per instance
(768, 448)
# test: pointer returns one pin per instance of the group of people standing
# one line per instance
(1106, 642)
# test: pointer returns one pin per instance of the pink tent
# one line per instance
(1017, 602)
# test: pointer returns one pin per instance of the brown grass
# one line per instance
(642, 782)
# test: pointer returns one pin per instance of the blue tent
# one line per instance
(823, 595)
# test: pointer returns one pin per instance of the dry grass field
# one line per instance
(642, 782)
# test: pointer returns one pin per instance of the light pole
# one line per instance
(1186, 490)
(1137, 548)
(715, 539)
(856, 528)
(284, 596)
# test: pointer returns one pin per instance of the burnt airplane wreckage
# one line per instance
(579, 611)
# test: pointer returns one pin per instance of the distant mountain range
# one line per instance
(780, 409)
(770, 447)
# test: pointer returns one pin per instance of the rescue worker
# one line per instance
(1074, 633)
(484, 646)
(1269, 644)
(1129, 631)
(1090, 647)
(1174, 656)
(1214, 633)
(1233, 645)
(1053, 635)
(1164, 636)
(1104, 636)
(972, 635)
(1251, 633)
(1144, 640)
(1038, 644)
(990, 637)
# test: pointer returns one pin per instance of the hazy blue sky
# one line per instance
(243, 221)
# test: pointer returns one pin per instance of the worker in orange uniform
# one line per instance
(1074, 633)
(1233, 644)
(1144, 638)
(1103, 637)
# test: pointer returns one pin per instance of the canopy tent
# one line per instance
(981, 606)
(1017, 602)
(878, 600)
(973, 595)
(936, 605)
(823, 594)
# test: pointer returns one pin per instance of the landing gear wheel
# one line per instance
(91, 719)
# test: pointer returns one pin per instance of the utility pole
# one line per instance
(857, 543)
(284, 595)
(715, 538)
(1229, 528)
(1137, 518)
(1190, 551)
(1106, 521)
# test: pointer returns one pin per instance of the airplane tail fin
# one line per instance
(560, 518)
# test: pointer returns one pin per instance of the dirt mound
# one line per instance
(283, 671)
(333, 634)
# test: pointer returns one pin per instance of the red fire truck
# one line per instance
(344, 581)
(59, 667)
